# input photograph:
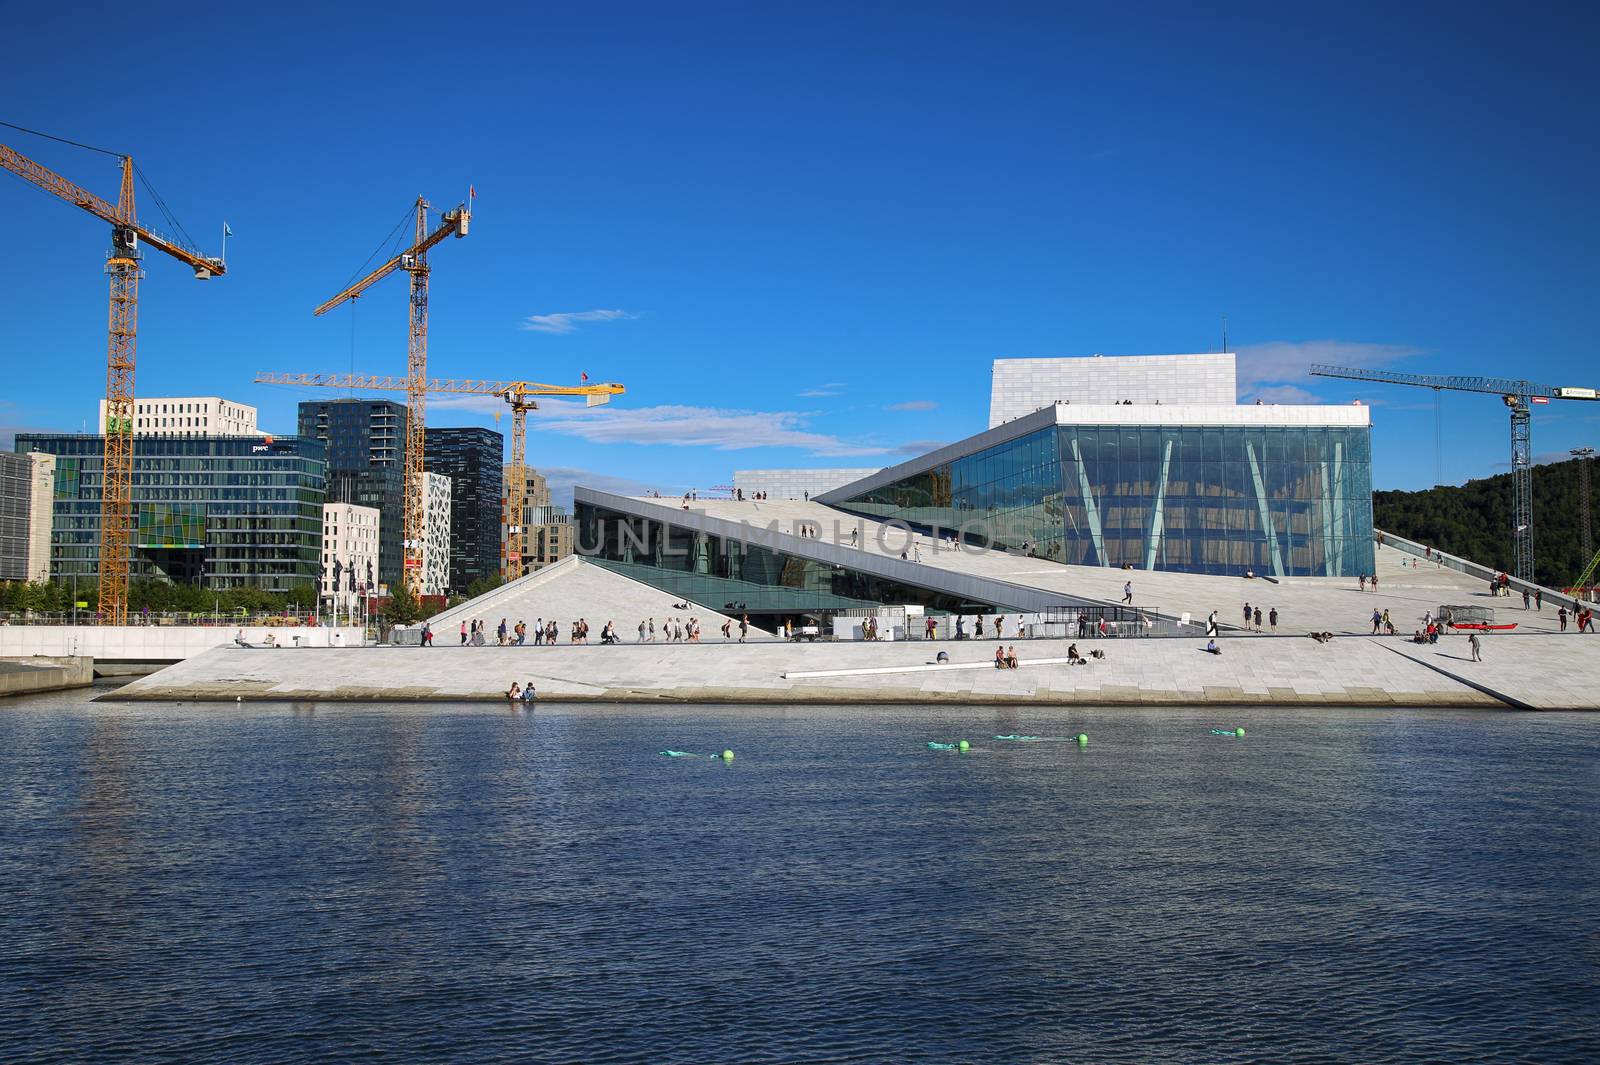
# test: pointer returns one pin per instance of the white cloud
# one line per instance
(567, 321)
(718, 428)
(832, 388)
(915, 404)
(1283, 362)
(1283, 394)
(562, 478)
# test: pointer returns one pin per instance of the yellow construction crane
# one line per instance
(414, 260)
(122, 264)
(517, 393)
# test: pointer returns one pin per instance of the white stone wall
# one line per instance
(188, 416)
(795, 484)
(349, 536)
(1022, 386)
(436, 535)
(41, 516)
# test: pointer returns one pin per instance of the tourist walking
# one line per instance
(1525, 598)
(1247, 615)
(1377, 621)
(1127, 591)
(652, 631)
(1477, 649)
(1538, 600)
(463, 634)
(744, 627)
(1272, 619)
(1083, 623)
(1211, 625)
(1561, 616)
(1257, 619)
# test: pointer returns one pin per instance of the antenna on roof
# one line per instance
(1224, 334)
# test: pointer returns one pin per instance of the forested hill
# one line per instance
(1474, 520)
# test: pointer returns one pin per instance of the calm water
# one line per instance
(336, 883)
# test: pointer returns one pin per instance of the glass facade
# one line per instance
(1280, 501)
(366, 454)
(739, 577)
(472, 459)
(225, 512)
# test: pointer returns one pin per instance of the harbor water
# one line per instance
(309, 883)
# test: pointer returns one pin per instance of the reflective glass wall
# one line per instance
(228, 512)
(1279, 501)
(738, 577)
(1009, 495)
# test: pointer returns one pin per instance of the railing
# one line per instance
(1468, 567)
(273, 619)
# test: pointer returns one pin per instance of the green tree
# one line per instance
(402, 608)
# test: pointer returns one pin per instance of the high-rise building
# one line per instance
(223, 512)
(188, 416)
(471, 458)
(349, 553)
(366, 449)
(27, 485)
(436, 534)
(547, 529)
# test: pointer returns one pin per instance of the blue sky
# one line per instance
(799, 234)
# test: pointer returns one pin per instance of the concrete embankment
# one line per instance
(26, 676)
(1538, 672)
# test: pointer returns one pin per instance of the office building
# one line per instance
(366, 448)
(222, 512)
(472, 459)
(27, 485)
(350, 536)
(547, 529)
(188, 416)
(436, 534)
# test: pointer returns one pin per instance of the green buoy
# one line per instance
(727, 756)
(1083, 739)
(963, 746)
(1239, 732)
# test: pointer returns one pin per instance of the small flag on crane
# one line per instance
(227, 230)
(583, 377)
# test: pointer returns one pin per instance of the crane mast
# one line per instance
(124, 271)
(413, 260)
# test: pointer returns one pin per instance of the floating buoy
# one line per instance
(963, 745)
(1083, 739)
(1236, 732)
(1239, 732)
(727, 756)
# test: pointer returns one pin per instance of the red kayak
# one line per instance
(1482, 627)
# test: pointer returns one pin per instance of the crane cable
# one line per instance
(63, 140)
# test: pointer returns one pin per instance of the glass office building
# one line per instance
(1250, 493)
(223, 512)
(365, 441)
(472, 458)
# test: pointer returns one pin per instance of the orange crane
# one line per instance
(517, 393)
(414, 260)
(122, 264)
